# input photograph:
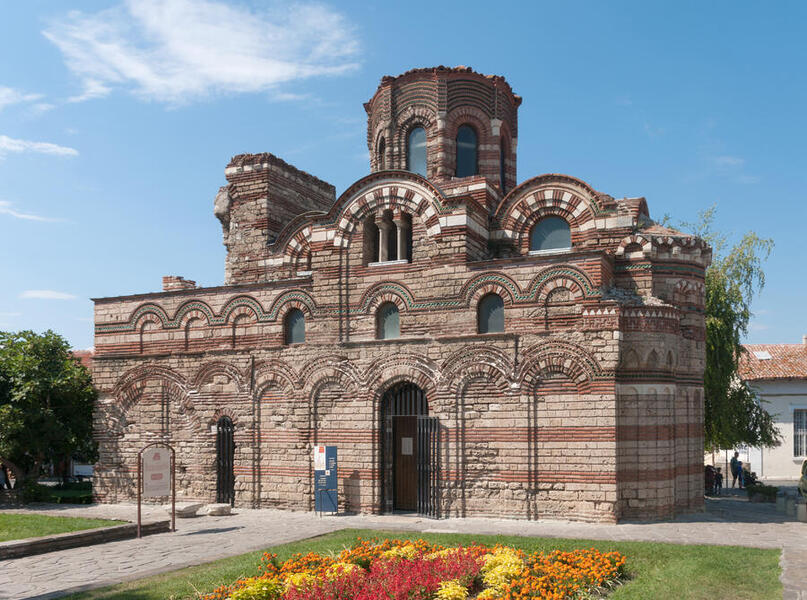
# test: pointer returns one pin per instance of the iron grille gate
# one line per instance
(428, 466)
(225, 449)
(403, 400)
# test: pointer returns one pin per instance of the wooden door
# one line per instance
(405, 438)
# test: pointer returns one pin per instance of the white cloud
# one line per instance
(6, 208)
(46, 295)
(9, 96)
(733, 169)
(177, 51)
(9, 145)
(6, 315)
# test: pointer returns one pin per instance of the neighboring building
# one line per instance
(472, 345)
(778, 373)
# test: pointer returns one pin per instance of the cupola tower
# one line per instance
(445, 123)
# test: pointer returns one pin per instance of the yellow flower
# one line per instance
(259, 589)
(338, 569)
(298, 580)
(451, 590)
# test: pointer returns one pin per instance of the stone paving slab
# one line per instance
(728, 521)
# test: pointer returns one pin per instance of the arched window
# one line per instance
(388, 323)
(382, 159)
(416, 151)
(466, 152)
(502, 165)
(294, 327)
(551, 233)
(490, 314)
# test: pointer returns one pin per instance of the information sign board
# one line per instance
(156, 472)
(326, 483)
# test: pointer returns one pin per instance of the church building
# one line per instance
(472, 342)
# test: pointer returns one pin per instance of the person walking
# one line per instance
(733, 465)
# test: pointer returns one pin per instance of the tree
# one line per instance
(46, 403)
(733, 412)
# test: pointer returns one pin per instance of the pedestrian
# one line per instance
(740, 474)
(734, 471)
(718, 482)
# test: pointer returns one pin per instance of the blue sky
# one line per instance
(118, 118)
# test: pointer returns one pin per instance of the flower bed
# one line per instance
(417, 570)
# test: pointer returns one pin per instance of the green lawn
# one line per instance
(21, 526)
(656, 570)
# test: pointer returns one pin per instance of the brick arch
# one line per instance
(275, 372)
(688, 292)
(239, 306)
(498, 283)
(567, 276)
(386, 291)
(406, 120)
(129, 388)
(190, 315)
(542, 196)
(296, 298)
(386, 371)
(476, 362)
(148, 311)
(409, 192)
(224, 411)
(636, 239)
(468, 115)
(148, 371)
(297, 249)
(557, 356)
(326, 369)
(630, 360)
(208, 370)
(193, 309)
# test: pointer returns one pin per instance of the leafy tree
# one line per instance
(46, 403)
(733, 412)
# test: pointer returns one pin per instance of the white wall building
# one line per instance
(778, 373)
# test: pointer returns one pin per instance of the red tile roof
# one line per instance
(787, 361)
(85, 356)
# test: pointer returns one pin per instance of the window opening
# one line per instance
(295, 327)
(416, 151)
(466, 152)
(490, 317)
(388, 325)
(382, 160)
(800, 432)
(551, 233)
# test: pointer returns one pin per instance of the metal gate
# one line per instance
(408, 400)
(225, 450)
(428, 466)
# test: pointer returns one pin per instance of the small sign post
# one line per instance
(326, 483)
(156, 468)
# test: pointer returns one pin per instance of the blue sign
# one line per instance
(326, 484)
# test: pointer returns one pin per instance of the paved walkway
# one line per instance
(727, 521)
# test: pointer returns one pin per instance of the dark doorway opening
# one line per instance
(225, 451)
(411, 451)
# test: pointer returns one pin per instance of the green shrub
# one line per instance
(766, 491)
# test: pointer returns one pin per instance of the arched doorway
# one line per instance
(225, 451)
(411, 451)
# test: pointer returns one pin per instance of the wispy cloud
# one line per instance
(7, 315)
(46, 295)
(9, 96)
(10, 145)
(732, 168)
(6, 208)
(177, 51)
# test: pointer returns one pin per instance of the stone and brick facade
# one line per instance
(587, 405)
